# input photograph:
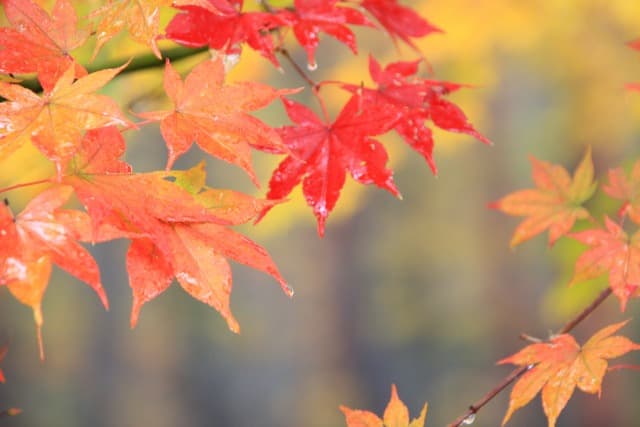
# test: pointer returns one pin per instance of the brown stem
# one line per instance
(285, 53)
(141, 62)
(25, 184)
(516, 373)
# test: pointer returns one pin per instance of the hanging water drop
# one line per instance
(312, 66)
(469, 419)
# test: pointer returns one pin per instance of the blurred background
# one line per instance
(424, 293)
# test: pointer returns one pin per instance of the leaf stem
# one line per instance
(517, 373)
(25, 184)
(315, 87)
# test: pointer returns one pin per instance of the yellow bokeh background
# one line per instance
(423, 292)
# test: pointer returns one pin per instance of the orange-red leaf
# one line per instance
(214, 114)
(611, 251)
(140, 17)
(555, 204)
(56, 122)
(627, 189)
(36, 239)
(561, 365)
(40, 43)
(180, 225)
(395, 415)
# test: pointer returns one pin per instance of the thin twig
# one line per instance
(285, 53)
(25, 184)
(138, 63)
(517, 373)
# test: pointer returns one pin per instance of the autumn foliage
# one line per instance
(181, 229)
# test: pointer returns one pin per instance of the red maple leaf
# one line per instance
(309, 17)
(322, 152)
(181, 225)
(555, 204)
(399, 21)
(612, 251)
(561, 365)
(396, 414)
(225, 30)
(40, 43)
(36, 239)
(415, 100)
(214, 115)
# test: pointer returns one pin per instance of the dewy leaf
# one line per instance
(322, 152)
(399, 21)
(395, 415)
(181, 231)
(226, 31)
(555, 204)
(57, 121)
(140, 17)
(611, 251)
(309, 17)
(215, 115)
(627, 189)
(40, 43)
(32, 242)
(415, 100)
(561, 365)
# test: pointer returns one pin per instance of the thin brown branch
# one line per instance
(141, 62)
(285, 53)
(517, 373)
(26, 184)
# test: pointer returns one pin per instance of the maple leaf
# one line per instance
(612, 251)
(399, 21)
(309, 17)
(214, 115)
(395, 415)
(322, 152)
(181, 226)
(415, 100)
(561, 365)
(56, 121)
(555, 204)
(40, 43)
(140, 17)
(34, 240)
(224, 29)
(627, 189)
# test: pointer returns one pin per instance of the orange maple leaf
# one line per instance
(214, 115)
(140, 17)
(56, 122)
(181, 225)
(626, 189)
(395, 415)
(40, 43)
(561, 365)
(36, 239)
(612, 251)
(555, 204)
